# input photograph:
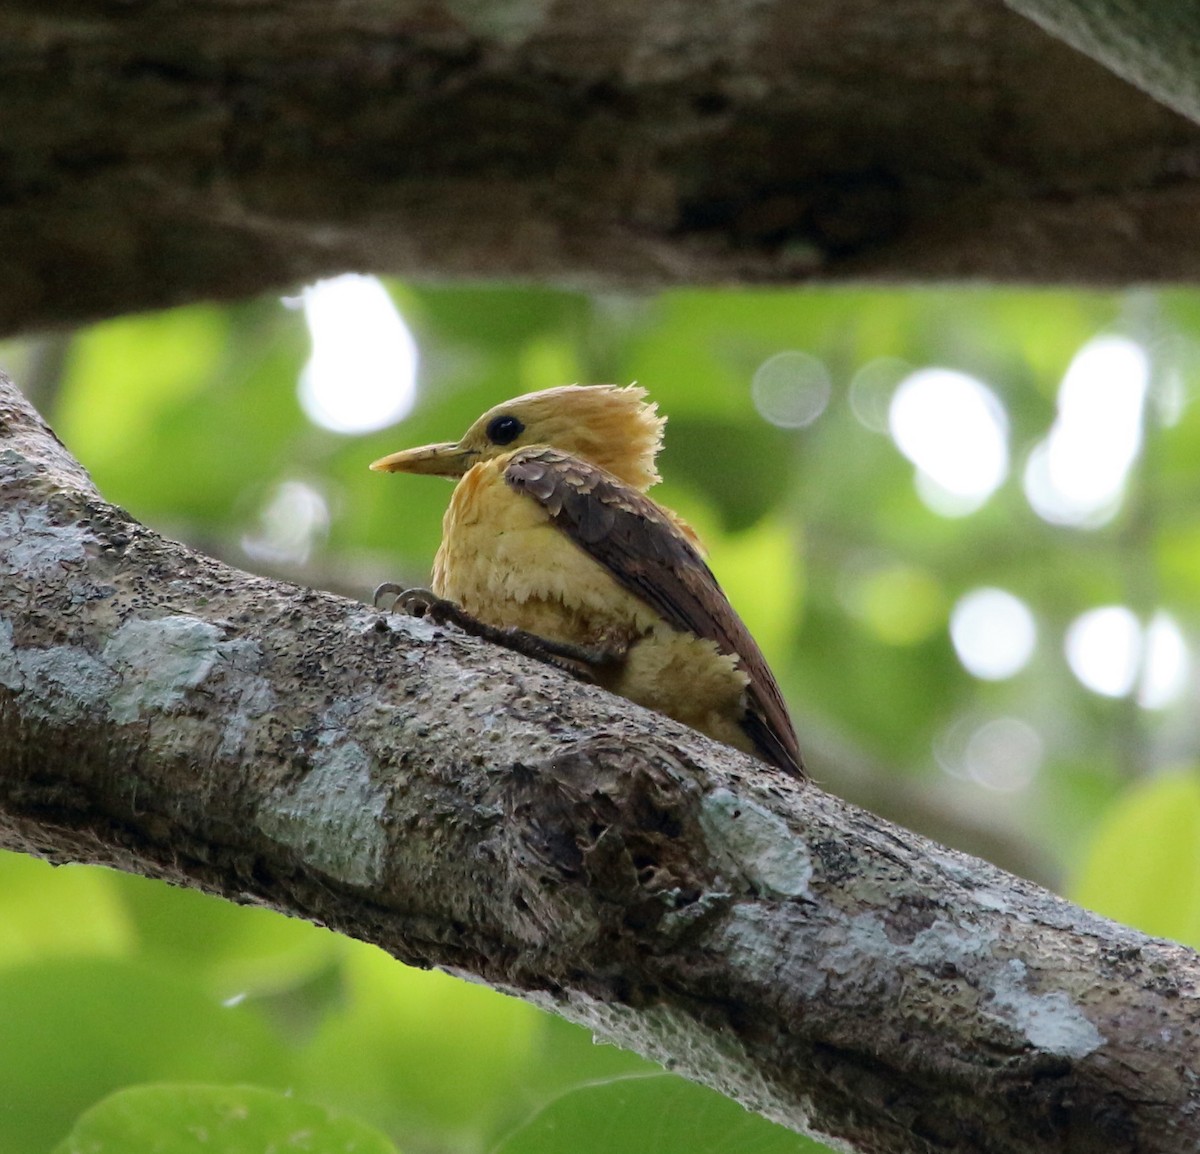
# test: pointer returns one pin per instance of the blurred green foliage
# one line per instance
(191, 1119)
(132, 1011)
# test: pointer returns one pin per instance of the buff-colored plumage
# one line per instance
(508, 561)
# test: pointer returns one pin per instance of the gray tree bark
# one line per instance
(466, 808)
(153, 153)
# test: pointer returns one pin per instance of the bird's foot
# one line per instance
(577, 660)
(581, 661)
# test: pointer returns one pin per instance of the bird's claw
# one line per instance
(387, 589)
(418, 602)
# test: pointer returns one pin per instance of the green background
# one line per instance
(136, 1017)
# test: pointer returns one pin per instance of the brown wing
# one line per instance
(644, 550)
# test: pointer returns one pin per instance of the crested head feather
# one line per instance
(613, 427)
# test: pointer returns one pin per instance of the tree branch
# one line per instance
(1155, 46)
(466, 808)
(152, 153)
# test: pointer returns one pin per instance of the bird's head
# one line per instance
(615, 428)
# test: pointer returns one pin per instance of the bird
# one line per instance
(551, 546)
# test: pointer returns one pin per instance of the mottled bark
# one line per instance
(467, 808)
(153, 153)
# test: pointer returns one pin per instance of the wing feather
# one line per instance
(627, 533)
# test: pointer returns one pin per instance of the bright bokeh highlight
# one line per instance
(1166, 666)
(1111, 654)
(993, 632)
(1104, 649)
(953, 428)
(1077, 475)
(362, 372)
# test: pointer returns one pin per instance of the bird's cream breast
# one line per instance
(489, 536)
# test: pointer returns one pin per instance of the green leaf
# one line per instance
(172, 1118)
(75, 1030)
(657, 1112)
(1143, 867)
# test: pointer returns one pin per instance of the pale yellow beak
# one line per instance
(448, 460)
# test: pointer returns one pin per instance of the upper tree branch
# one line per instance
(467, 808)
(155, 153)
(1155, 46)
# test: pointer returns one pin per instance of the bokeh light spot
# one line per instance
(1103, 648)
(362, 372)
(1111, 654)
(1004, 754)
(871, 390)
(1077, 475)
(899, 603)
(791, 389)
(1166, 666)
(993, 632)
(294, 519)
(953, 428)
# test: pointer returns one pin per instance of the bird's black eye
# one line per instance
(505, 429)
